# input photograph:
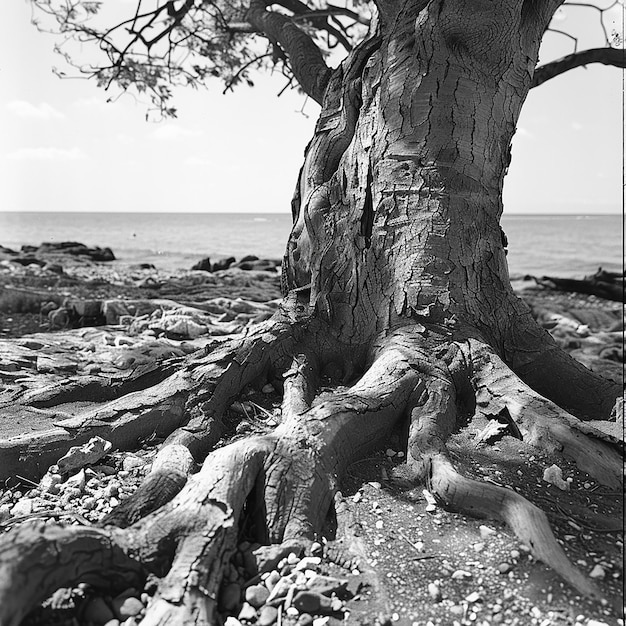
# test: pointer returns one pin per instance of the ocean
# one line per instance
(552, 245)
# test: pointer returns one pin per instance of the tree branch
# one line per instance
(307, 62)
(606, 56)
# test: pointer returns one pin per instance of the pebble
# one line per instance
(597, 572)
(269, 388)
(267, 616)
(232, 621)
(311, 602)
(25, 506)
(504, 568)
(434, 592)
(316, 548)
(305, 620)
(595, 622)
(247, 613)
(461, 574)
(132, 461)
(126, 606)
(485, 531)
(479, 546)
(473, 597)
(256, 595)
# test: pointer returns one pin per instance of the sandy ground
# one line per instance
(412, 563)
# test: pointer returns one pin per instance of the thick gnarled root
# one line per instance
(541, 423)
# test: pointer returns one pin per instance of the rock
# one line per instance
(77, 482)
(232, 621)
(248, 258)
(97, 611)
(272, 580)
(305, 620)
(461, 574)
(79, 456)
(597, 572)
(316, 548)
(311, 602)
(132, 461)
(267, 616)
(50, 483)
(247, 613)
(229, 597)
(125, 606)
(485, 531)
(55, 268)
(223, 264)
(256, 595)
(113, 622)
(326, 585)
(504, 568)
(473, 597)
(434, 592)
(25, 506)
(269, 388)
(203, 265)
(554, 476)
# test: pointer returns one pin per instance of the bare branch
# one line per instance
(606, 56)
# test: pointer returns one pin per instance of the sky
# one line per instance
(64, 148)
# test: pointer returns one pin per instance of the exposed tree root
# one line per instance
(541, 422)
(184, 527)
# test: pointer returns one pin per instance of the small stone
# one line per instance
(554, 476)
(379, 524)
(311, 602)
(292, 558)
(431, 508)
(256, 595)
(89, 503)
(457, 609)
(496, 608)
(316, 548)
(126, 606)
(25, 506)
(229, 597)
(97, 611)
(473, 597)
(479, 546)
(113, 622)
(390, 453)
(485, 531)
(232, 621)
(269, 388)
(88, 453)
(461, 574)
(267, 616)
(247, 613)
(595, 622)
(308, 562)
(504, 568)
(597, 572)
(375, 484)
(434, 592)
(132, 461)
(50, 483)
(305, 620)
(272, 579)
(515, 554)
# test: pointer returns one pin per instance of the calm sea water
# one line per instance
(559, 245)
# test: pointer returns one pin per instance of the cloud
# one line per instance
(42, 111)
(171, 132)
(47, 154)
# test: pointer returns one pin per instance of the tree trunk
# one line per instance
(397, 289)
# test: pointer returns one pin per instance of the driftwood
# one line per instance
(607, 285)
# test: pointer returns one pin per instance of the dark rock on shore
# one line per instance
(73, 248)
(248, 263)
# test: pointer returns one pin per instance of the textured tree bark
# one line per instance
(397, 289)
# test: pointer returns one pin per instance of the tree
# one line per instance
(396, 290)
